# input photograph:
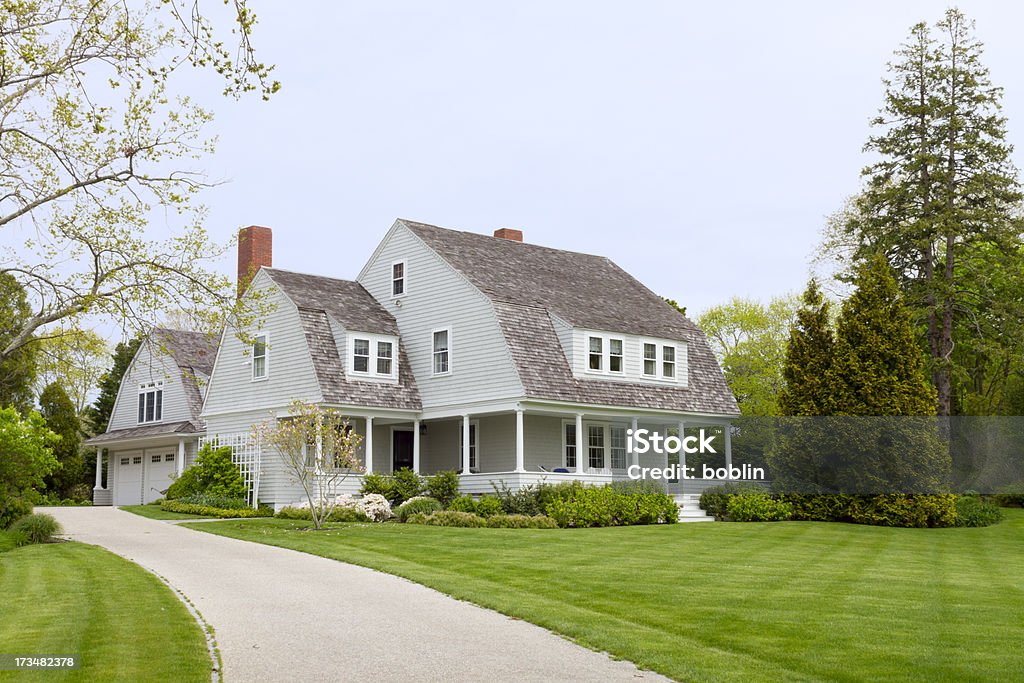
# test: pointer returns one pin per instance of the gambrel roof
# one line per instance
(193, 353)
(527, 284)
(320, 299)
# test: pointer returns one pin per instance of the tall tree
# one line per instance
(75, 359)
(94, 141)
(944, 185)
(808, 360)
(62, 419)
(17, 370)
(110, 382)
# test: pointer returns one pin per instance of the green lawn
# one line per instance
(776, 601)
(156, 512)
(124, 624)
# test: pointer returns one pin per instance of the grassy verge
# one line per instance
(781, 601)
(121, 621)
(156, 512)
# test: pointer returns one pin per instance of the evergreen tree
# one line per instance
(877, 366)
(58, 410)
(944, 186)
(808, 358)
(17, 370)
(110, 382)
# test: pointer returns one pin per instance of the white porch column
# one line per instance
(416, 446)
(681, 429)
(99, 469)
(634, 457)
(369, 445)
(179, 464)
(520, 452)
(581, 451)
(728, 446)
(465, 444)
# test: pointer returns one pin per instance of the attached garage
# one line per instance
(160, 470)
(142, 476)
(128, 466)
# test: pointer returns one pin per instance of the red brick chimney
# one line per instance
(509, 234)
(255, 250)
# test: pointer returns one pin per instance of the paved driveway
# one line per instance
(282, 615)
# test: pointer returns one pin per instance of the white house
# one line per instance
(506, 361)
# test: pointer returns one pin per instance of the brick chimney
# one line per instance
(509, 234)
(255, 250)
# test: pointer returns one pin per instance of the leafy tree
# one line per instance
(749, 340)
(17, 370)
(110, 382)
(877, 366)
(808, 359)
(25, 445)
(944, 188)
(94, 138)
(62, 419)
(75, 359)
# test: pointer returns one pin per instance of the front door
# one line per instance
(401, 449)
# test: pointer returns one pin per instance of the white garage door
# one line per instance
(159, 472)
(128, 490)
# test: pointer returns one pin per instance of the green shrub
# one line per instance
(209, 511)
(973, 511)
(488, 506)
(463, 504)
(534, 499)
(521, 522)
(338, 514)
(215, 501)
(405, 484)
(443, 487)
(903, 510)
(212, 473)
(13, 508)
(820, 507)
(413, 506)
(584, 506)
(1011, 495)
(34, 528)
(448, 518)
(715, 500)
(757, 507)
(378, 483)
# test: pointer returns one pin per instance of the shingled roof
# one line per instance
(320, 298)
(527, 283)
(193, 353)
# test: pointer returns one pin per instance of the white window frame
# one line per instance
(404, 279)
(665, 362)
(433, 353)
(266, 357)
(583, 449)
(605, 354)
(372, 341)
(474, 445)
(679, 365)
(600, 354)
(644, 343)
(565, 445)
(377, 358)
(621, 355)
(157, 389)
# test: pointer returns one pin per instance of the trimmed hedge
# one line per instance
(758, 507)
(338, 514)
(34, 528)
(599, 506)
(715, 500)
(452, 518)
(973, 511)
(1011, 496)
(898, 510)
(210, 511)
(521, 522)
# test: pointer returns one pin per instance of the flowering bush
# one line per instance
(376, 507)
(423, 504)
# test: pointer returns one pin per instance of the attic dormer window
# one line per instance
(397, 278)
(361, 355)
(373, 356)
(596, 360)
(151, 402)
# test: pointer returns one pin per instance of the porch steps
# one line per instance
(689, 508)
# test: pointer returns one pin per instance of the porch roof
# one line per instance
(184, 427)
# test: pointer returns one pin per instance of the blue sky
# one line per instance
(700, 146)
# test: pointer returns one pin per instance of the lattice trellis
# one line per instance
(246, 453)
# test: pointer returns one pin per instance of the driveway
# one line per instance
(282, 615)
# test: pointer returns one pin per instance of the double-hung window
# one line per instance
(596, 360)
(397, 278)
(618, 447)
(472, 444)
(595, 446)
(259, 357)
(360, 355)
(650, 360)
(442, 352)
(615, 356)
(668, 362)
(385, 361)
(570, 445)
(373, 356)
(151, 402)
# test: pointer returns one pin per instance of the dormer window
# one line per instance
(259, 357)
(397, 279)
(650, 360)
(615, 356)
(668, 362)
(596, 360)
(151, 402)
(372, 356)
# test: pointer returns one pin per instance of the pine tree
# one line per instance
(58, 410)
(808, 358)
(877, 365)
(110, 382)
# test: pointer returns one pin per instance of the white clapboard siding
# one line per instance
(150, 364)
(439, 297)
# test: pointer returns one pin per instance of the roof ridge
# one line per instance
(296, 272)
(526, 245)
